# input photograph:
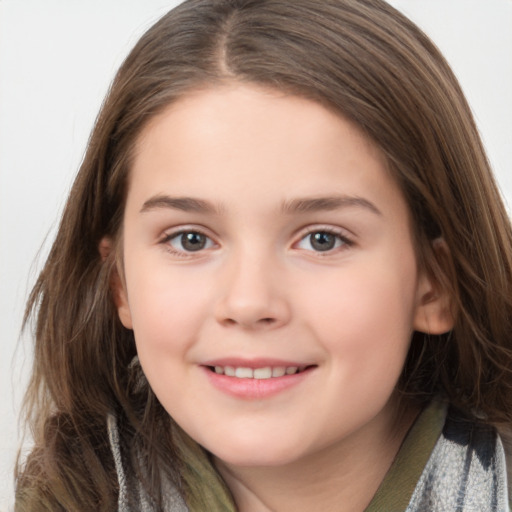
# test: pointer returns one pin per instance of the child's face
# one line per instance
(262, 233)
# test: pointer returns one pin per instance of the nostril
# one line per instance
(260, 322)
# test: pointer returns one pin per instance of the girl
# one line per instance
(282, 280)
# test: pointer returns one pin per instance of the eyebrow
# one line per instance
(186, 204)
(308, 205)
(299, 205)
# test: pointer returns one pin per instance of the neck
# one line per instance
(342, 477)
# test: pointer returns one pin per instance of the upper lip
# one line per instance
(254, 363)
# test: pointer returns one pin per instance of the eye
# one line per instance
(323, 241)
(188, 241)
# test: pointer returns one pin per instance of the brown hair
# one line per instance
(360, 58)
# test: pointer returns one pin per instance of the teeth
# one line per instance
(263, 373)
(258, 373)
(244, 373)
(278, 371)
(229, 371)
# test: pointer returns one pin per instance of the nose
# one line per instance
(253, 294)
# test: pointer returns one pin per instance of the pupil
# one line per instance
(322, 241)
(193, 241)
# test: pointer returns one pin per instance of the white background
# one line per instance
(57, 58)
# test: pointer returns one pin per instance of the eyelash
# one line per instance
(341, 240)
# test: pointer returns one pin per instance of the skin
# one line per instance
(261, 289)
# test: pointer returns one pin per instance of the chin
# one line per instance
(259, 456)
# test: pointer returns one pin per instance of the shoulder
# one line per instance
(465, 472)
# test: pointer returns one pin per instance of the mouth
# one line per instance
(256, 379)
(265, 372)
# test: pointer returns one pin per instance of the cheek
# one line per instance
(166, 311)
(365, 326)
(167, 320)
(364, 316)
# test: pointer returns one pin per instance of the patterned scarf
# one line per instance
(446, 464)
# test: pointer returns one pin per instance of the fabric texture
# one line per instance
(446, 464)
(132, 497)
(465, 473)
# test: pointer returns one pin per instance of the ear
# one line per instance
(434, 305)
(117, 284)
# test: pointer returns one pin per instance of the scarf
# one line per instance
(447, 463)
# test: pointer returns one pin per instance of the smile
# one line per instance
(256, 380)
(266, 372)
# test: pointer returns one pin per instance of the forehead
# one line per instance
(256, 144)
(205, 111)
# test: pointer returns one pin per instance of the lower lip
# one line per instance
(255, 389)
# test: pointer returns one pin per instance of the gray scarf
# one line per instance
(463, 471)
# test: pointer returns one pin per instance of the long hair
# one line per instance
(359, 58)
